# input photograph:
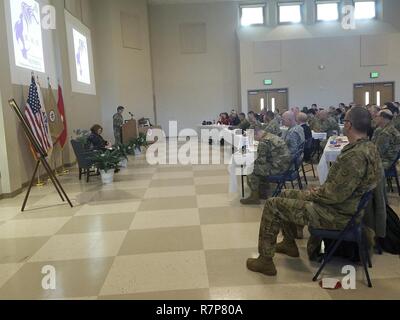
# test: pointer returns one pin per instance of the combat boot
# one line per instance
(264, 191)
(289, 248)
(262, 265)
(253, 199)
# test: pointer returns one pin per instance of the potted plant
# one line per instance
(106, 162)
(138, 143)
(124, 150)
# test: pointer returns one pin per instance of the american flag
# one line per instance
(37, 119)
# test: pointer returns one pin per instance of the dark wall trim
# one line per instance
(26, 184)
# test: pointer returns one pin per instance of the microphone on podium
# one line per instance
(131, 114)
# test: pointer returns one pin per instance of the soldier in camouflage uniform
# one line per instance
(272, 125)
(273, 158)
(327, 124)
(312, 120)
(396, 120)
(294, 137)
(357, 170)
(243, 125)
(386, 138)
(254, 123)
(118, 121)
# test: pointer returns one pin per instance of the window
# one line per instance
(365, 10)
(328, 11)
(289, 13)
(252, 15)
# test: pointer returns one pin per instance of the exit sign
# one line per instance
(268, 82)
(375, 75)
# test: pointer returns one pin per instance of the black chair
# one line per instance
(316, 149)
(308, 153)
(351, 233)
(392, 173)
(291, 175)
(83, 157)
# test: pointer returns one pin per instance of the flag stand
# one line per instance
(41, 159)
(39, 182)
(64, 171)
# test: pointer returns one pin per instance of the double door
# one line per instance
(271, 100)
(373, 93)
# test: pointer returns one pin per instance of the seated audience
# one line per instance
(278, 116)
(327, 124)
(95, 140)
(273, 157)
(357, 171)
(254, 122)
(386, 138)
(271, 125)
(302, 122)
(223, 119)
(234, 120)
(374, 112)
(294, 136)
(396, 114)
(243, 125)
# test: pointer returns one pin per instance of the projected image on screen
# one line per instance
(27, 34)
(81, 57)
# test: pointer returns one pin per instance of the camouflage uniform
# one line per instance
(118, 121)
(278, 118)
(255, 125)
(273, 128)
(273, 157)
(294, 137)
(357, 170)
(313, 123)
(396, 123)
(329, 125)
(387, 140)
(244, 125)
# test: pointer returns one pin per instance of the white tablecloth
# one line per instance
(330, 155)
(319, 135)
(205, 138)
(236, 170)
(233, 137)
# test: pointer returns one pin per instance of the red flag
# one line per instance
(63, 136)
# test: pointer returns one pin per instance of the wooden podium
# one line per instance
(129, 131)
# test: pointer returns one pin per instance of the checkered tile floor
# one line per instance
(158, 232)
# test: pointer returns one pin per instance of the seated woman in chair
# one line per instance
(95, 140)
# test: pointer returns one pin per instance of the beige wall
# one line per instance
(190, 88)
(124, 74)
(16, 162)
(307, 46)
